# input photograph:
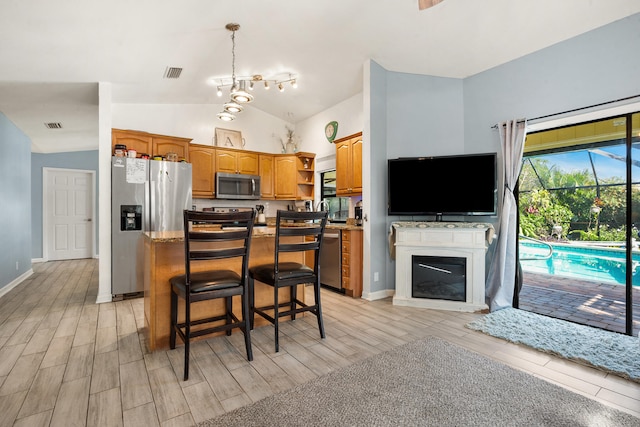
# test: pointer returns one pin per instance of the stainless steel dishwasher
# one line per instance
(331, 260)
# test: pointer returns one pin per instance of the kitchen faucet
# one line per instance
(320, 203)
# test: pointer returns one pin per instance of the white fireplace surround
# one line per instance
(442, 239)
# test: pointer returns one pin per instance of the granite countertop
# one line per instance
(260, 231)
(178, 236)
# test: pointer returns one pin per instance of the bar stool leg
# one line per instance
(252, 304)
(293, 294)
(247, 326)
(276, 315)
(316, 292)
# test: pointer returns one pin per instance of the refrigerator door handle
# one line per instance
(146, 215)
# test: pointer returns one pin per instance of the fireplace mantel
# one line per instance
(467, 240)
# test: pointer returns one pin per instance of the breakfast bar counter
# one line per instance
(164, 258)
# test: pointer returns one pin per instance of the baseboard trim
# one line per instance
(385, 293)
(38, 260)
(9, 286)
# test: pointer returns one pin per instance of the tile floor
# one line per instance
(66, 361)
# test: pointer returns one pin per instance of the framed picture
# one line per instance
(227, 138)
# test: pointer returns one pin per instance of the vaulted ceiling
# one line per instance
(53, 54)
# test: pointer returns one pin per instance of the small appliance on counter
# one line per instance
(261, 219)
(357, 213)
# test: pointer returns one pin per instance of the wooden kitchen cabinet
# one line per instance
(305, 172)
(150, 143)
(349, 165)
(134, 140)
(351, 252)
(203, 169)
(285, 176)
(169, 144)
(294, 176)
(267, 176)
(237, 161)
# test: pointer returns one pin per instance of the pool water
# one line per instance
(607, 265)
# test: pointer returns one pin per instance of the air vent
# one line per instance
(172, 73)
(53, 125)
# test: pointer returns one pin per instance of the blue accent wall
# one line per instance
(84, 160)
(15, 202)
(595, 67)
(427, 115)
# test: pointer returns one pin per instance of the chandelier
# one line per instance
(241, 87)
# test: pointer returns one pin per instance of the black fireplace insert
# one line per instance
(437, 277)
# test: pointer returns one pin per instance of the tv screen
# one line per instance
(444, 185)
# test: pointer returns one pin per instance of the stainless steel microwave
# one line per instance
(237, 186)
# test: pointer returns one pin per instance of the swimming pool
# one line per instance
(580, 262)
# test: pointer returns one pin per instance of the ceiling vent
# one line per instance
(172, 73)
(53, 125)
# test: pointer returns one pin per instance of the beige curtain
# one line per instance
(502, 271)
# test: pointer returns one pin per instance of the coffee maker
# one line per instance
(357, 213)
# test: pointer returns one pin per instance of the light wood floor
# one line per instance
(66, 361)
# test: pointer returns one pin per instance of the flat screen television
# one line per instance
(443, 185)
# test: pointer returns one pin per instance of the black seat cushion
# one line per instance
(286, 270)
(209, 280)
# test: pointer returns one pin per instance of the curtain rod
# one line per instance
(517, 121)
(577, 109)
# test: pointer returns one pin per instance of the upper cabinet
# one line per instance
(282, 176)
(305, 172)
(134, 140)
(349, 165)
(267, 176)
(149, 143)
(237, 161)
(168, 144)
(203, 169)
(285, 176)
(294, 176)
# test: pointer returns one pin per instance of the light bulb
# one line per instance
(280, 87)
(226, 116)
(250, 85)
(219, 91)
(232, 107)
(240, 95)
(266, 85)
(294, 83)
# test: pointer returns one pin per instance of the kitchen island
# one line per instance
(164, 258)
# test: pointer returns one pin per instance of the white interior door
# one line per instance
(68, 216)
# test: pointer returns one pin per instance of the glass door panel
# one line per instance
(573, 224)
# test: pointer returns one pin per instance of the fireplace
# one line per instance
(441, 265)
(439, 277)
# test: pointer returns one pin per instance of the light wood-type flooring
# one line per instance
(66, 361)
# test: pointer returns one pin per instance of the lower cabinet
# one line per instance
(351, 253)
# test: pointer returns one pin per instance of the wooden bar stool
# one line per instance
(310, 229)
(228, 235)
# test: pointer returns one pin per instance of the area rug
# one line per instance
(609, 351)
(430, 382)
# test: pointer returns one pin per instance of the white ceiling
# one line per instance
(52, 54)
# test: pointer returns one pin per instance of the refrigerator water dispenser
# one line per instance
(130, 217)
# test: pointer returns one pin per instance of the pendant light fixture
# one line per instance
(240, 86)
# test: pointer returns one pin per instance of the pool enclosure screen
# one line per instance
(437, 277)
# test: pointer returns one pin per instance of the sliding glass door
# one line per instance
(578, 222)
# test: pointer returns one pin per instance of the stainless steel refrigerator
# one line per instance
(146, 195)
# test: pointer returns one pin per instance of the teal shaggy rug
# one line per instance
(610, 351)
